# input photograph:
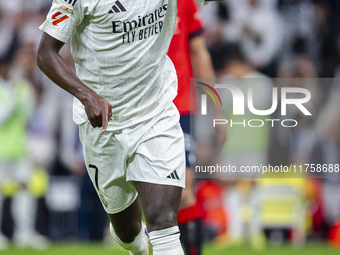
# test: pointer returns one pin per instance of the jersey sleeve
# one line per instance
(195, 20)
(63, 17)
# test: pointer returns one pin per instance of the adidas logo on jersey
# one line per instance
(117, 7)
(71, 2)
(173, 176)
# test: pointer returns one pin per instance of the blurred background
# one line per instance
(46, 195)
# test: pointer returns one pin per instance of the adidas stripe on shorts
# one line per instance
(151, 151)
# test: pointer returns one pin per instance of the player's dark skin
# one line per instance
(160, 203)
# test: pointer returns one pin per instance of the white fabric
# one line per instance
(16, 170)
(23, 210)
(120, 53)
(166, 241)
(147, 152)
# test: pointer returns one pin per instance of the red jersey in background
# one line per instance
(188, 25)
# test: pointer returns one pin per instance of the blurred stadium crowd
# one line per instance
(277, 38)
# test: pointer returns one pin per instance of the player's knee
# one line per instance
(125, 236)
(161, 219)
(129, 233)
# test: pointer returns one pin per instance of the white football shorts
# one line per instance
(151, 151)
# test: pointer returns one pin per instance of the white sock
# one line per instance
(138, 247)
(23, 211)
(166, 241)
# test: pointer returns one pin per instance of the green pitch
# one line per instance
(94, 249)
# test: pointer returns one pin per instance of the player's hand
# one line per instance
(99, 111)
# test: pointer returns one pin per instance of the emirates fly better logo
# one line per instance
(243, 102)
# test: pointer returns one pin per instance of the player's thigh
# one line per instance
(105, 162)
(188, 194)
(160, 157)
(157, 170)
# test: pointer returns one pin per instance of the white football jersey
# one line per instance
(119, 47)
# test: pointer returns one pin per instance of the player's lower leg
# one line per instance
(24, 211)
(160, 205)
(189, 219)
(3, 239)
(127, 229)
(166, 241)
(191, 237)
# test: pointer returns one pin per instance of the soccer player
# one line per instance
(16, 106)
(190, 56)
(129, 126)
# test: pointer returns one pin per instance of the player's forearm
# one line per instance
(200, 58)
(202, 66)
(52, 64)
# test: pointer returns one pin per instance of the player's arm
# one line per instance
(200, 58)
(202, 68)
(98, 110)
(205, 2)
